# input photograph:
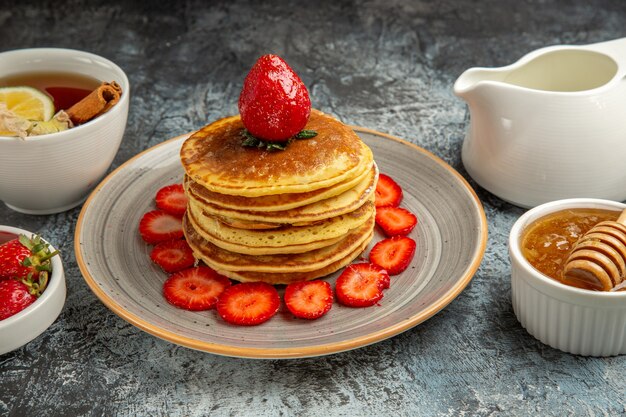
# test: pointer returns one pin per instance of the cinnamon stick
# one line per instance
(97, 102)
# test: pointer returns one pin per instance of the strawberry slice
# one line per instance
(248, 304)
(173, 255)
(361, 285)
(395, 220)
(158, 226)
(195, 289)
(388, 192)
(309, 299)
(394, 254)
(385, 280)
(172, 199)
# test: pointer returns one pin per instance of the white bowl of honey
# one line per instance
(45, 168)
(570, 316)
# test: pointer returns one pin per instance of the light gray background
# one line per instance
(387, 65)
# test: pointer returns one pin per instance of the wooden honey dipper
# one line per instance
(598, 258)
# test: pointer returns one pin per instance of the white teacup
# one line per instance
(55, 172)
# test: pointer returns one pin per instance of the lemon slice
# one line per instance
(28, 103)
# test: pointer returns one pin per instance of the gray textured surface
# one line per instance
(387, 65)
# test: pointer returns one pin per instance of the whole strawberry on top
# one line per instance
(274, 102)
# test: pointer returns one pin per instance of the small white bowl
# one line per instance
(55, 172)
(571, 319)
(21, 328)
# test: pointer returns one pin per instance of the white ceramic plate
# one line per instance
(451, 236)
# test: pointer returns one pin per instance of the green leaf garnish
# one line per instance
(249, 140)
(276, 146)
(252, 141)
(306, 134)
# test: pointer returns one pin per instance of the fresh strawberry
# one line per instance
(309, 299)
(12, 254)
(388, 192)
(158, 226)
(393, 254)
(385, 280)
(195, 288)
(173, 255)
(14, 297)
(172, 199)
(274, 102)
(248, 304)
(27, 260)
(395, 220)
(361, 285)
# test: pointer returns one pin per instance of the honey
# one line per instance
(547, 242)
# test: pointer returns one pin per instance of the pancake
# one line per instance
(284, 236)
(245, 224)
(214, 158)
(276, 202)
(224, 260)
(259, 250)
(289, 277)
(340, 204)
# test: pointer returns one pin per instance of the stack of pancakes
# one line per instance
(278, 216)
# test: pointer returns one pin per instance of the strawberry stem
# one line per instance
(36, 288)
(38, 247)
(48, 256)
(25, 241)
(39, 260)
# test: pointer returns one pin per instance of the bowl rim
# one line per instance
(102, 119)
(538, 277)
(54, 283)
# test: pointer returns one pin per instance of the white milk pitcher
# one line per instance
(550, 126)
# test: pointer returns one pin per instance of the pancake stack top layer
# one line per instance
(278, 216)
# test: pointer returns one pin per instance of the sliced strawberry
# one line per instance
(388, 192)
(158, 226)
(361, 285)
(393, 254)
(248, 304)
(309, 299)
(195, 288)
(385, 280)
(14, 297)
(173, 255)
(395, 220)
(172, 199)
